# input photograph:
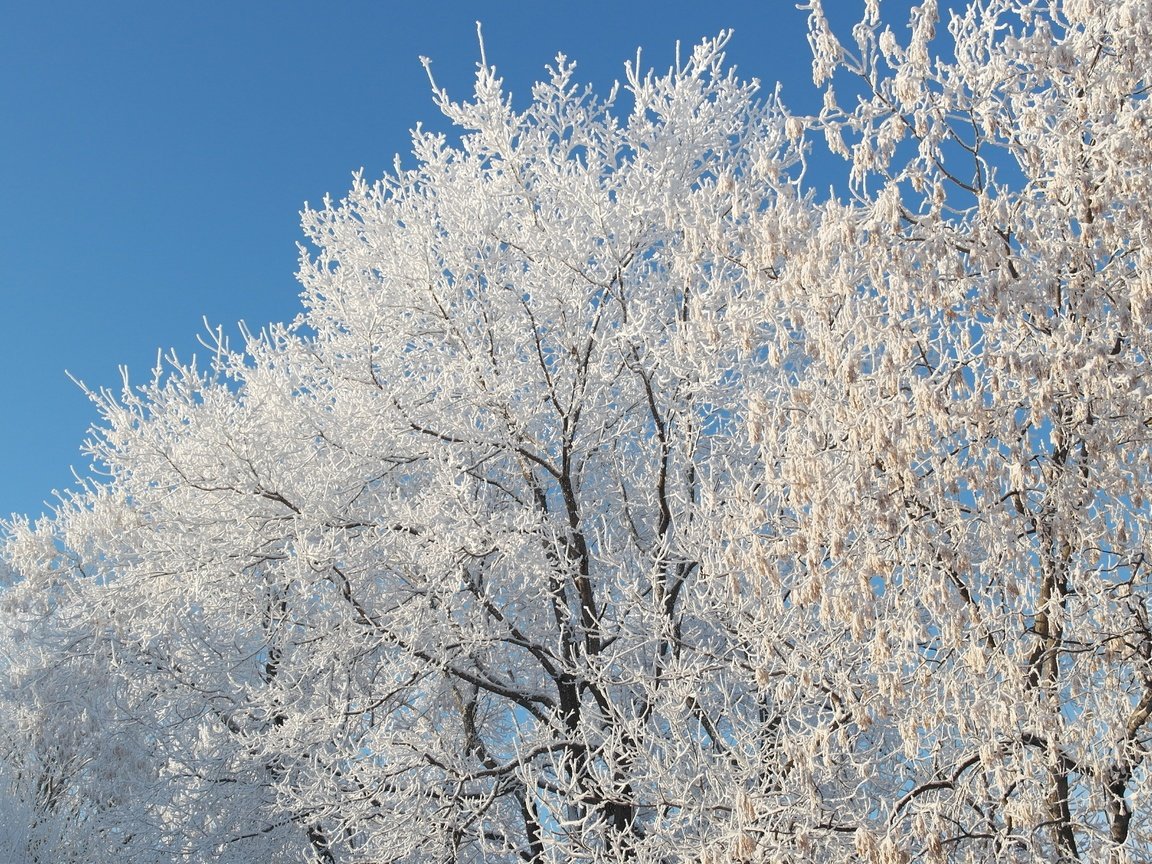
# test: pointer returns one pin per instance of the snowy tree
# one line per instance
(616, 497)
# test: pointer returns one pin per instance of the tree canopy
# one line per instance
(617, 496)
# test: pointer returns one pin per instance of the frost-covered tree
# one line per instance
(617, 498)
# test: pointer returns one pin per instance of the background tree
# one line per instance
(616, 498)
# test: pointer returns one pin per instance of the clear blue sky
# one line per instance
(156, 155)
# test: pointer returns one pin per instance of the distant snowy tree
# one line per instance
(616, 497)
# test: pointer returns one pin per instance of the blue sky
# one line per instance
(155, 157)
